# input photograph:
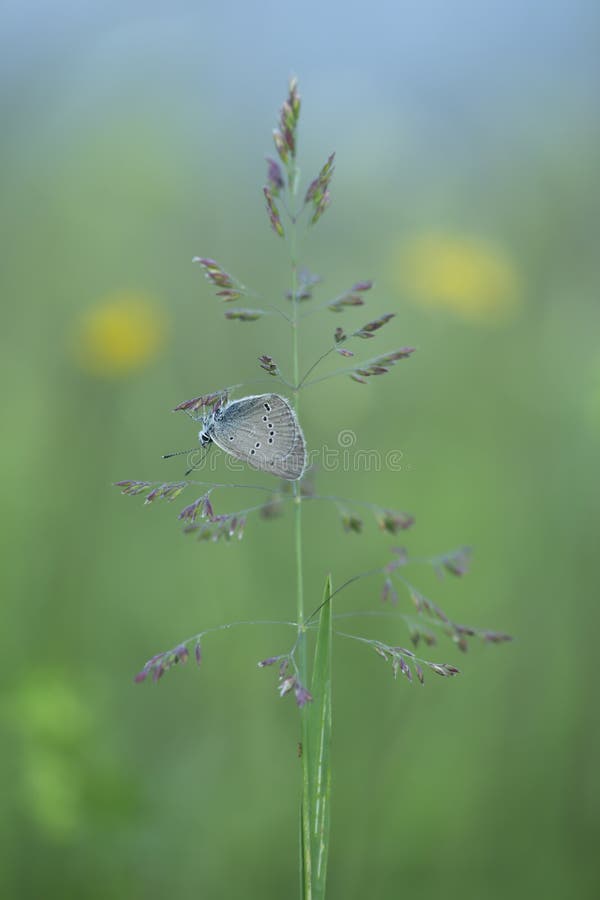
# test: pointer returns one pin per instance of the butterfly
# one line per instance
(262, 431)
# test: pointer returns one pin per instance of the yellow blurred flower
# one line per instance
(468, 276)
(120, 334)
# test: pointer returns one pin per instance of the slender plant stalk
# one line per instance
(306, 855)
(297, 491)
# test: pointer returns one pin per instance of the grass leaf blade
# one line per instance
(319, 746)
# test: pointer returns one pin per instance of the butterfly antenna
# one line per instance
(178, 453)
(197, 464)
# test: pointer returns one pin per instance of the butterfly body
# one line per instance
(262, 431)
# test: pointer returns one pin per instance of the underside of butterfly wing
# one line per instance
(262, 431)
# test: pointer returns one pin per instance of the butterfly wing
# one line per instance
(262, 431)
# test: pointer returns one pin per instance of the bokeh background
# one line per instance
(133, 138)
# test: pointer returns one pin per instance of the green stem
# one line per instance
(306, 855)
(295, 377)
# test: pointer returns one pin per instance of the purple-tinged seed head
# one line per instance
(352, 523)
(274, 176)
(208, 510)
(496, 637)
(158, 672)
(283, 667)
(273, 212)
(287, 685)
(439, 670)
(189, 513)
(280, 146)
(181, 653)
(268, 661)
(244, 315)
(303, 696)
(461, 642)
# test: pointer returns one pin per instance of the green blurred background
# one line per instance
(466, 184)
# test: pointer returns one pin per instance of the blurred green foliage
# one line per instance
(482, 786)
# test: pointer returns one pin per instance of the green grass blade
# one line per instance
(319, 745)
(303, 861)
